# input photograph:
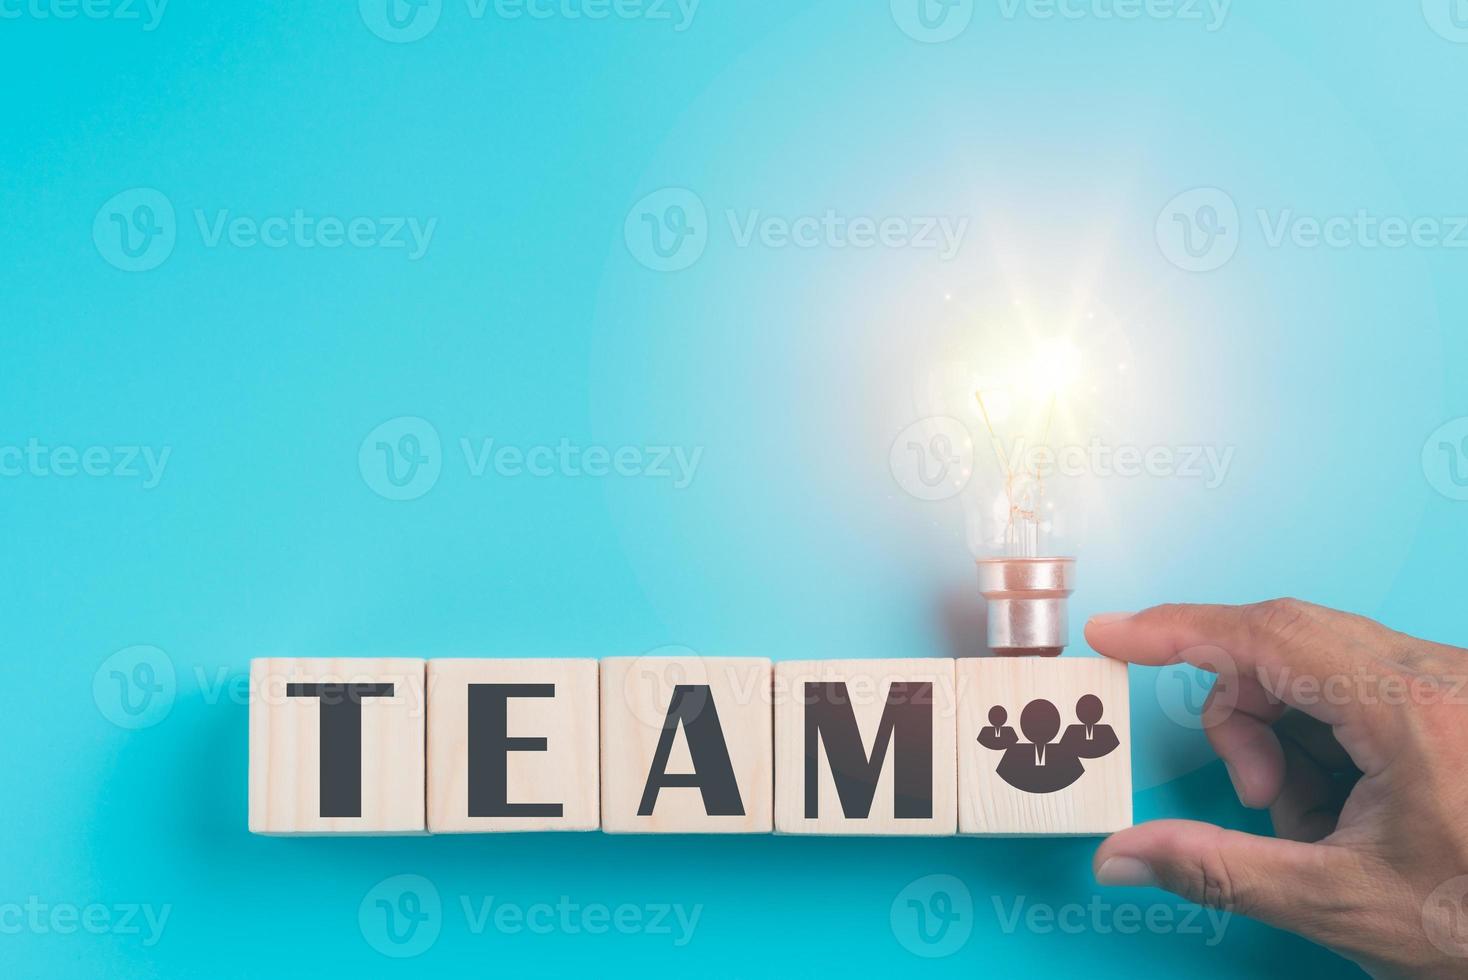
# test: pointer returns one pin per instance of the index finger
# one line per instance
(1309, 657)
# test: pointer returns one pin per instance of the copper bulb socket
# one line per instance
(1028, 600)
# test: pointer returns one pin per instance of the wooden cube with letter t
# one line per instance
(336, 746)
(1044, 746)
(512, 745)
(865, 747)
(686, 745)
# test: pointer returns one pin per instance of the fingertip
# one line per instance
(1109, 635)
(1125, 872)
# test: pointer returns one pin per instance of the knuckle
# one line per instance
(1171, 612)
(1207, 881)
(1281, 619)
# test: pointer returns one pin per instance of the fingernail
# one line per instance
(1124, 872)
(1106, 619)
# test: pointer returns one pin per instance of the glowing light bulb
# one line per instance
(1024, 578)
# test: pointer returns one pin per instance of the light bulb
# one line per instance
(1021, 505)
(1024, 578)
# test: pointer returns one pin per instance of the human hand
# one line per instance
(1355, 737)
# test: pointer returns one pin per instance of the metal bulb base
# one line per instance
(1028, 604)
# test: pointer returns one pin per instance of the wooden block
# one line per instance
(686, 745)
(1080, 782)
(865, 747)
(336, 746)
(512, 746)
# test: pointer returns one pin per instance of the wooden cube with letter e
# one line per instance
(512, 745)
(336, 746)
(1044, 746)
(865, 747)
(687, 745)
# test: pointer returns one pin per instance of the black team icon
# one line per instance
(1041, 764)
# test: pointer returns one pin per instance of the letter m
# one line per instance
(906, 726)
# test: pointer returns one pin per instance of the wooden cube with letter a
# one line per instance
(1044, 746)
(512, 745)
(336, 746)
(686, 745)
(865, 747)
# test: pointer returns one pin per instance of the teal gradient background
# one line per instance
(530, 319)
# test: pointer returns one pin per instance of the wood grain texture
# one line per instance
(285, 747)
(1098, 802)
(636, 695)
(565, 773)
(868, 685)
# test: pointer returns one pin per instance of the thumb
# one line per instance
(1288, 884)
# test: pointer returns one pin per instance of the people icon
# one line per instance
(1041, 764)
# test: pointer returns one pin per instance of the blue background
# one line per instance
(530, 319)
